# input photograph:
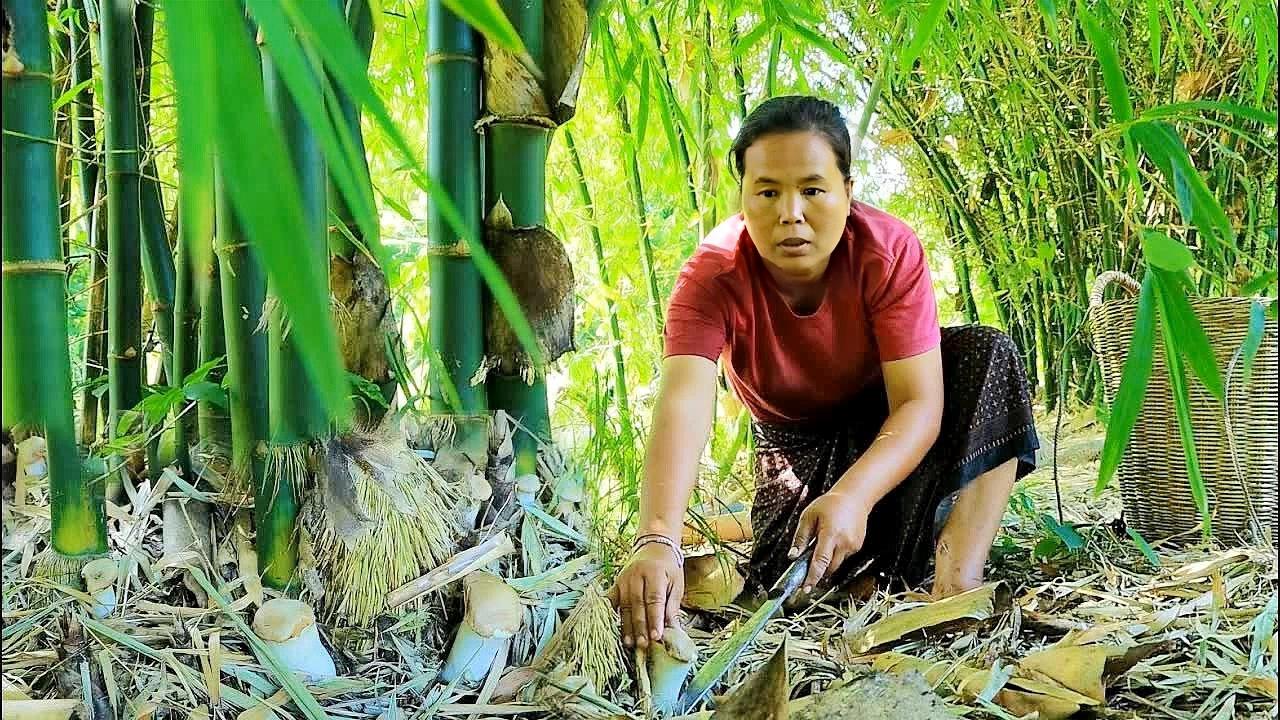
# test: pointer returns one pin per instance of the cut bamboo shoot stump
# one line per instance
(100, 582)
(669, 663)
(710, 582)
(493, 615)
(289, 628)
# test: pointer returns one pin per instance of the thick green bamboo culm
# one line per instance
(244, 290)
(516, 159)
(186, 312)
(453, 156)
(213, 422)
(157, 259)
(297, 412)
(90, 181)
(124, 296)
(37, 367)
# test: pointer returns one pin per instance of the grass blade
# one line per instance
(1133, 386)
(1165, 148)
(1182, 410)
(1166, 253)
(921, 34)
(327, 35)
(1144, 547)
(1185, 329)
(294, 687)
(1253, 339)
(1112, 73)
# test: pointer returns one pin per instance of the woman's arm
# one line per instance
(914, 387)
(681, 425)
(838, 518)
(648, 591)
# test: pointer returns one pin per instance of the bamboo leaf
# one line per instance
(1165, 252)
(1259, 283)
(206, 392)
(641, 120)
(1253, 339)
(1154, 33)
(749, 40)
(1066, 533)
(342, 58)
(1185, 329)
(1112, 73)
(193, 59)
(1133, 386)
(1165, 148)
(1182, 410)
(336, 142)
(921, 34)
(1049, 8)
(71, 94)
(263, 189)
(813, 38)
(1192, 109)
(1144, 547)
(487, 17)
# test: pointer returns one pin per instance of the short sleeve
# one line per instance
(900, 300)
(697, 319)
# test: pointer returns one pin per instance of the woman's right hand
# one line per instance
(647, 594)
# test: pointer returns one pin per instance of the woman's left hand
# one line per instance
(839, 521)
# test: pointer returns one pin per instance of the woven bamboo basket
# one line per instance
(1235, 441)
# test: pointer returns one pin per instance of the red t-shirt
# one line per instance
(879, 306)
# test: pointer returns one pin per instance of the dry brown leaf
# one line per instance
(39, 709)
(764, 694)
(979, 604)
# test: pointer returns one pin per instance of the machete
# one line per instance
(719, 663)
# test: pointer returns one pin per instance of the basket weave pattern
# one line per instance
(1236, 442)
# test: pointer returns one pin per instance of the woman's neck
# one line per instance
(802, 294)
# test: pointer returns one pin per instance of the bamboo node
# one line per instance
(458, 249)
(443, 57)
(51, 267)
(537, 121)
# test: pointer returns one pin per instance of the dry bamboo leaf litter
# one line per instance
(1206, 617)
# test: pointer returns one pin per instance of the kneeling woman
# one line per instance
(878, 435)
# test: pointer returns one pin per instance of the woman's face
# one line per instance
(795, 202)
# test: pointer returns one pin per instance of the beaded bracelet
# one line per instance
(652, 538)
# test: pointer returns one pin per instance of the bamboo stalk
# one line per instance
(124, 294)
(521, 148)
(457, 300)
(37, 365)
(636, 185)
(297, 413)
(243, 293)
(157, 259)
(90, 186)
(602, 268)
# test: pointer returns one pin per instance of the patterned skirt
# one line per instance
(986, 421)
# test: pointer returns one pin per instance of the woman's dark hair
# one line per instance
(794, 113)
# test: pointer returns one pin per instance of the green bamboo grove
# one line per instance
(230, 227)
